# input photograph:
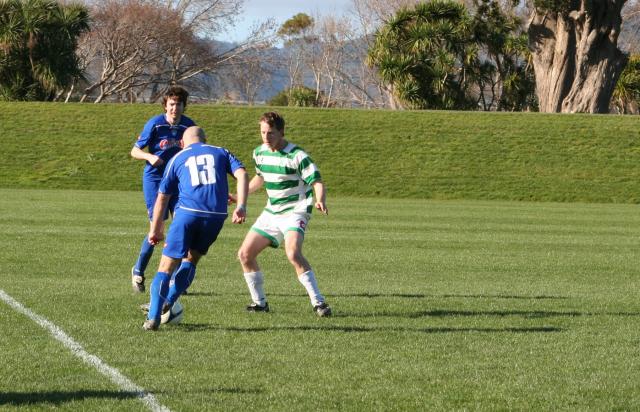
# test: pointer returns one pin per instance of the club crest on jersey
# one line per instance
(174, 132)
(302, 224)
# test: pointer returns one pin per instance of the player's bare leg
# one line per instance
(251, 247)
(306, 276)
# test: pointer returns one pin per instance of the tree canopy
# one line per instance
(38, 40)
(422, 54)
(439, 55)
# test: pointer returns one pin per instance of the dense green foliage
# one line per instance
(626, 95)
(421, 154)
(296, 26)
(420, 51)
(298, 96)
(38, 40)
(554, 6)
(439, 55)
(439, 306)
(502, 60)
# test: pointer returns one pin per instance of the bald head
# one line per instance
(193, 134)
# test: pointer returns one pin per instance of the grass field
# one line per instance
(439, 305)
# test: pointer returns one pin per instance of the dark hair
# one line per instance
(273, 119)
(175, 92)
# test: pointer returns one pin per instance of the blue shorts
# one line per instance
(150, 191)
(191, 232)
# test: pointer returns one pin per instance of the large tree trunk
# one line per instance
(576, 57)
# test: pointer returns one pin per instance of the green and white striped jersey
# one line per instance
(288, 175)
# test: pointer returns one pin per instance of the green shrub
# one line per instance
(298, 96)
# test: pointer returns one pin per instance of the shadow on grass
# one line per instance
(499, 313)
(231, 390)
(334, 328)
(59, 397)
(448, 296)
(411, 296)
(442, 313)
(196, 293)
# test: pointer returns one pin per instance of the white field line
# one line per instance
(112, 373)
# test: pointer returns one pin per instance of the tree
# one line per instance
(38, 40)
(138, 48)
(575, 55)
(126, 39)
(422, 53)
(250, 73)
(502, 71)
(364, 83)
(205, 18)
(333, 44)
(297, 34)
(194, 51)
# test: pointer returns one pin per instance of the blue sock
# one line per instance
(180, 281)
(146, 251)
(158, 291)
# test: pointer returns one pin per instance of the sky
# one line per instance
(280, 11)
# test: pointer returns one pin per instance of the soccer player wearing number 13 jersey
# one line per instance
(198, 175)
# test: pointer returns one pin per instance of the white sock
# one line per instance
(255, 282)
(308, 280)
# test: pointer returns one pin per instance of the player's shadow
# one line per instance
(198, 327)
(229, 390)
(57, 398)
(196, 293)
(529, 314)
(446, 296)
(443, 313)
(373, 295)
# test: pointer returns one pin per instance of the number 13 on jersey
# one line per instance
(201, 169)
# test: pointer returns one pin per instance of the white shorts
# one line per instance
(274, 227)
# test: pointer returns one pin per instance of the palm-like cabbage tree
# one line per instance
(422, 55)
(38, 39)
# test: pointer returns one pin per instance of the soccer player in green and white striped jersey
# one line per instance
(291, 180)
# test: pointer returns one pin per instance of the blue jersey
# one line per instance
(162, 140)
(199, 175)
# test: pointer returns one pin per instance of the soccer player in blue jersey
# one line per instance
(198, 177)
(162, 137)
(291, 179)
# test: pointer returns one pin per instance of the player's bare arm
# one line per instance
(156, 231)
(255, 183)
(140, 154)
(242, 190)
(320, 196)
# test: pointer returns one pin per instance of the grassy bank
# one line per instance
(430, 155)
